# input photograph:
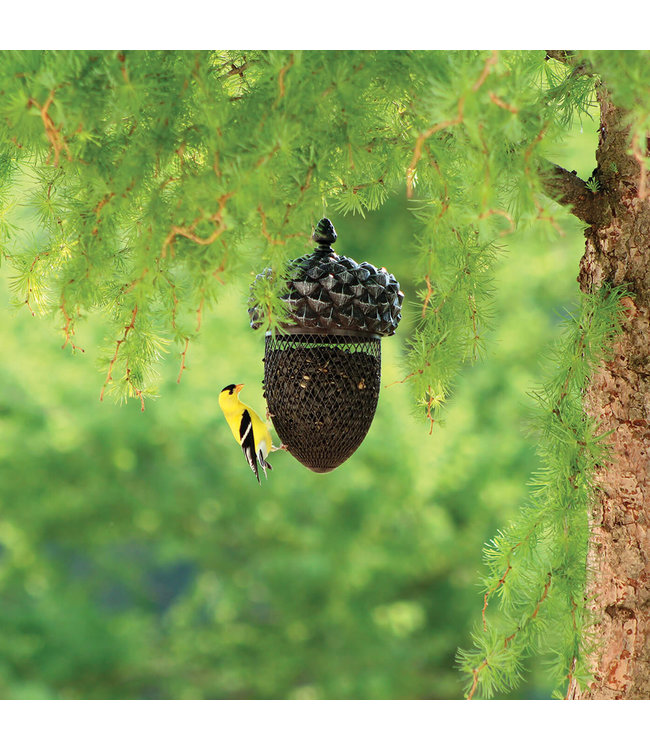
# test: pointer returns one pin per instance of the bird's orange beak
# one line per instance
(239, 387)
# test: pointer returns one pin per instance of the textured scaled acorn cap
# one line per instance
(326, 291)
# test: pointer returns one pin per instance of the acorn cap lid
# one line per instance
(324, 234)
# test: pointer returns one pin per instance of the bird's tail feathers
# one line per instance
(253, 465)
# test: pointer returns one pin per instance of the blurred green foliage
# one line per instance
(140, 559)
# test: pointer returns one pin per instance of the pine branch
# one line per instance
(549, 541)
(568, 57)
(562, 55)
(144, 208)
(567, 189)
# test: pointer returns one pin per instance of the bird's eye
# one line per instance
(230, 388)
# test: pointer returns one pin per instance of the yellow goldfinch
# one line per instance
(248, 429)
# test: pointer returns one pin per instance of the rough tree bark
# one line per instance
(618, 252)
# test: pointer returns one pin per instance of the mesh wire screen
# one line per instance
(321, 393)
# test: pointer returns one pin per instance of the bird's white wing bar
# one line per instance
(247, 441)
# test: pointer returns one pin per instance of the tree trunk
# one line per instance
(618, 252)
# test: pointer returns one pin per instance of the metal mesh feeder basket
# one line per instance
(321, 393)
(322, 375)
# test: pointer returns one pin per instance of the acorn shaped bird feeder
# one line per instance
(322, 373)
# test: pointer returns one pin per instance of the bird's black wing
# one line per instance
(247, 441)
